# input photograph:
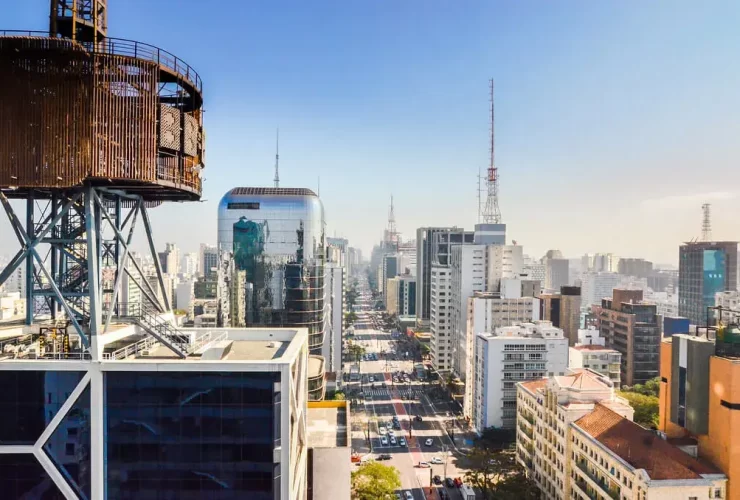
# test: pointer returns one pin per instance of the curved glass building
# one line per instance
(276, 236)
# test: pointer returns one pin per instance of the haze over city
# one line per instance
(614, 121)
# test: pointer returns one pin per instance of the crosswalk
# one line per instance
(385, 392)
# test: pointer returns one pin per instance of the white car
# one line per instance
(436, 460)
(429, 442)
(384, 440)
(424, 465)
(391, 433)
(371, 378)
(402, 442)
(382, 430)
(409, 496)
(393, 441)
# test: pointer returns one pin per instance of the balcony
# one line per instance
(606, 487)
(527, 432)
(584, 489)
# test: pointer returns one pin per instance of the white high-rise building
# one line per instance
(334, 289)
(440, 321)
(556, 274)
(189, 264)
(184, 297)
(502, 358)
(596, 286)
(208, 258)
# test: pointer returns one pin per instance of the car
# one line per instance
(391, 432)
(371, 378)
(384, 456)
(397, 426)
(458, 482)
(437, 480)
(437, 460)
(395, 418)
(409, 496)
(393, 441)
(382, 430)
(429, 442)
(418, 418)
(449, 482)
(398, 496)
(384, 440)
(402, 441)
(424, 465)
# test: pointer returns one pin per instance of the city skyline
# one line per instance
(373, 101)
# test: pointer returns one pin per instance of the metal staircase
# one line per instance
(147, 317)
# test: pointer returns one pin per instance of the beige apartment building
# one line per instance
(576, 439)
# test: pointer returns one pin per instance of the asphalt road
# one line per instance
(384, 399)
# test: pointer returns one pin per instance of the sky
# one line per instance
(615, 121)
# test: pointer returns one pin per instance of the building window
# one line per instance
(69, 449)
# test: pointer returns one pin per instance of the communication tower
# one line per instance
(94, 131)
(706, 223)
(491, 212)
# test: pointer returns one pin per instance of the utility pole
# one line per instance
(444, 450)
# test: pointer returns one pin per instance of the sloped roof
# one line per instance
(641, 448)
(533, 385)
(581, 379)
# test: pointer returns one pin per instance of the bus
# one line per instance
(354, 373)
(467, 492)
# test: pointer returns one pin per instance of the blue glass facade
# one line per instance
(714, 268)
(192, 435)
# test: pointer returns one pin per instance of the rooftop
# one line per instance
(327, 424)
(257, 191)
(593, 347)
(641, 448)
(239, 350)
(582, 379)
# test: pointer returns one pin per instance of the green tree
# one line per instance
(374, 481)
(493, 438)
(516, 486)
(487, 468)
(339, 396)
(356, 351)
(349, 319)
(646, 408)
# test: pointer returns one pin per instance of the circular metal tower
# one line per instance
(93, 130)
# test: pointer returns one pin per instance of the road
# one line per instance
(384, 398)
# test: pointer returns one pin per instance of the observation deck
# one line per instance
(115, 113)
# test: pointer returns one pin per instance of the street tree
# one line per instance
(373, 481)
(356, 351)
(516, 486)
(487, 468)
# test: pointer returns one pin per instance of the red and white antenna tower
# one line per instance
(491, 212)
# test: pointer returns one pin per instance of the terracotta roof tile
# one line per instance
(533, 385)
(641, 448)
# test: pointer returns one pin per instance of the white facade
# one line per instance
(184, 297)
(556, 274)
(729, 300)
(590, 336)
(334, 288)
(598, 358)
(440, 321)
(189, 264)
(528, 351)
(666, 303)
(596, 286)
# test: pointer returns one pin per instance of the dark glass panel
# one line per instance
(21, 476)
(30, 400)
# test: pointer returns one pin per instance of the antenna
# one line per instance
(491, 213)
(277, 158)
(392, 235)
(706, 224)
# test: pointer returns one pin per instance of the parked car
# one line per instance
(458, 482)
(397, 426)
(437, 460)
(371, 378)
(384, 440)
(418, 418)
(409, 496)
(393, 441)
(437, 480)
(402, 441)
(429, 442)
(382, 430)
(384, 456)
(424, 465)
(391, 432)
(449, 482)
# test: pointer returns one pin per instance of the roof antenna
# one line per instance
(277, 158)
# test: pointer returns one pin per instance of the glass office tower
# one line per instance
(705, 268)
(277, 237)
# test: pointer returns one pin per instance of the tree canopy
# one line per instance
(646, 408)
(373, 481)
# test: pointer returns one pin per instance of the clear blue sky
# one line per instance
(614, 120)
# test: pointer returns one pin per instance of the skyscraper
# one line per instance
(433, 248)
(277, 237)
(704, 268)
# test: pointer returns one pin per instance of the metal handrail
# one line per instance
(131, 48)
(131, 349)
